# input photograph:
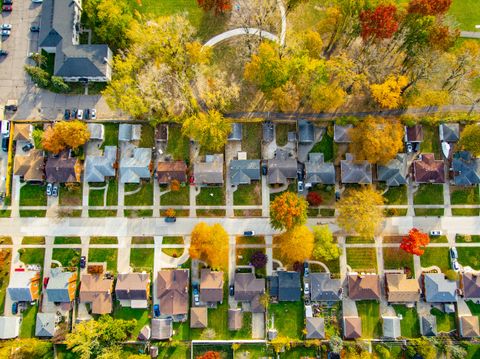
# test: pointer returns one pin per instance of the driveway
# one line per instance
(258, 325)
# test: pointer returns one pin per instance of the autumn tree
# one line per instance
(360, 211)
(210, 129)
(170, 212)
(258, 259)
(210, 244)
(287, 211)
(218, 6)
(216, 90)
(429, 7)
(209, 355)
(65, 134)
(58, 84)
(389, 93)
(470, 139)
(295, 245)
(314, 199)
(26, 348)
(376, 140)
(325, 247)
(175, 185)
(379, 23)
(415, 242)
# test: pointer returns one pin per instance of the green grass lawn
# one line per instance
(103, 240)
(244, 255)
(33, 195)
(352, 239)
(445, 322)
(141, 259)
(6, 256)
(143, 240)
(251, 135)
(410, 325)
(362, 259)
(465, 211)
(176, 198)
(32, 255)
(467, 195)
(431, 141)
(27, 328)
(173, 252)
(178, 145)
(174, 351)
(96, 197)
(327, 193)
(172, 240)
(468, 256)
(281, 132)
(288, 318)
(466, 12)
(396, 258)
(250, 240)
(112, 193)
(142, 198)
(102, 213)
(250, 194)
(429, 212)
(127, 313)
(108, 255)
(211, 196)
(69, 257)
(70, 196)
(33, 240)
(396, 195)
(299, 352)
(369, 312)
(461, 238)
(325, 146)
(148, 136)
(435, 257)
(32, 213)
(438, 239)
(111, 135)
(67, 240)
(429, 194)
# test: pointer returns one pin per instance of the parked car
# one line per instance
(35, 28)
(170, 219)
(27, 147)
(86, 114)
(306, 289)
(55, 191)
(7, 8)
(93, 114)
(6, 27)
(231, 290)
(3, 53)
(37, 1)
(156, 310)
(300, 186)
(49, 189)
(435, 233)
(80, 114)
(5, 32)
(306, 269)
(45, 281)
(7, 2)
(453, 253)
(455, 265)
(196, 295)
(14, 308)
(249, 233)
(83, 262)
(66, 115)
(74, 113)
(5, 141)
(264, 168)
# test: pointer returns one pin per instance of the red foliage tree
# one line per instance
(218, 6)
(429, 7)
(314, 199)
(259, 260)
(379, 23)
(209, 355)
(415, 241)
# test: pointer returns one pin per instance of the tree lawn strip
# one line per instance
(33, 240)
(32, 213)
(137, 213)
(108, 255)
(352, 240)
(260, 240)
(67, 240)
(362, 259)
(103, 240)
(143, 240)
(102, 213)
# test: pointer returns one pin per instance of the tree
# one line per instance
(210, 129)
(452, 275)
(217, 92)
(174, 185)
(58, 84)
(209, 355)
(324, 97)
(287, 211)
(388, 94)
(376, 140)
(429, 7)
(414, 242)
(38, 58)
(360, 211)
(210, 244)
(295, 245)
(379, 23)
(39, 76)
(65, 134)
(259, 260)
(170, 212)
(51, 141)
(325, 247)
(26, 348)
(218, 6)
(470, 139)
(314, 199)
(336, 344)
(37, 135)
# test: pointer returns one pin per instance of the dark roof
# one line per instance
(247, 286)
(61, 170)
(471, 285)
(306, 131)
(428, 325)
(268, 131)
(466, 169)
(174, 170)
(279, 170)
(449, 132)
(236, 134)
(319, 171)
(429, 170)
(364, 287)
(52, 39)
(341, 134)
(394, 173)
(355, 172)
(132, 286)
(315, 327)
(286, 285)
(211, 286)
(414, 133)
(172, 290)
(235, 319)
(78, 67)
(325, 289)
(244, 171)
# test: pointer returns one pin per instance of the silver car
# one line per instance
(6, 27)
(5, 32)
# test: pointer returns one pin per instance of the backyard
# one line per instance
(281, 132)
(288, 318)
(127, 313)
(410, 325)
(27, 328)
(445, 322)
(251, 133)
(369, 312)
(178, 145)
(325, 146)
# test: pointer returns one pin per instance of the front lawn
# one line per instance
(396, 258)
(178, 145)
(244, 255)
(144, 197)
(67, 240)
(70, 196)
(248, 195)
(396, 195)
(211, 196)
(32, 213)
(176, 198)
(108, 255)
(410, 325)
(469, 256)
(464, 195)
(96, 197)
(27, 327)
(69, 257)
(362, 259)
(445, 322)
(369, 312)
(32, 255)
(251, 135)
(438, 239)
(437, 256)
(141, 259)
(250, 240)
(127, 313)
(461, 238)
(466, 12)
(429, 193)
(327, 192)
(325, 146)
(288, 318)
(33, 195)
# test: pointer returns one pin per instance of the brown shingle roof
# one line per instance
(414, 133)
(31, 167)
(401, 289)
(471, 285)
(428, 169)
(352, 327)
(198, 317)
(168, 171)
(98, 291)
(132, 286)
(211, 286)
(235, 319)
(63, 170)
(172, 290)
(247, 286)
(364, 287)
(469, 327)
(23, 132)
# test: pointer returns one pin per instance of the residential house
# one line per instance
(30, 167)
(285, 286)
(268, 131)
(428, 170)
(23, 132)
(280, 170)
(61, 286)
(355, 172)
(341, 134)
(323, 288)
(400, 289)
(315, 327)
(470, 285)
(10, 327)
(248, 288)
(306, 132)
(211, 286)
(244, 171)
(63, 170)
(171, 170)
(97, 131)
(236, 133)
(128, 132)
(45, 325)
(209, 172)
(235, 319)
(162, 328)
(438, 289)
(24, 286)
(60, 35)
(198, 317)
(319, 171)
(352, 327)
(133, 289)
(391, 327)
(363, 287)
(449, 132)
(428, 325)
(97, 290)
(414, 134)
(172, 292)
(100, 168)
(135, 165)
(468, 326)
(466, 169)
(395, 172)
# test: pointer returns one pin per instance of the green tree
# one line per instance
(325, 247)
(37, 135)
(39, 76)
(38, 58)
(287, 211)
(26, 348)
(58, 85)
(470, 139)
(210, 129)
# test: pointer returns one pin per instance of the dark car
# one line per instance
(248, 233)
(231, 290)
(83, 261)
(27, 147)
(264, 169)
(14, 308)
(7, 8)
(35, 28)
(74, 113)
(337, 196)
(66, 115)
(5, 140)
(86, 114)
(170, 219)
(7, 2)
(3, 53)
(156, 310)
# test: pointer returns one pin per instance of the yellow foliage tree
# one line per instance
(287, 211)
(360, 211)
(296, 245)
(376, 140)
(210, 129)
(210, 244)
(388, 94)
(65, 134)
(427, 97)
(51, 141)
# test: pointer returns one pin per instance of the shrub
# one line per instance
(258, 260)
(314, 199)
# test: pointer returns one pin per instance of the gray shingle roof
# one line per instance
(391, 327)
(268, 131)
(279, 170)
(129, 132)
(135, 165)
(319, 171)
(466, 169)
(324, 288)
(210, 171)
(394, 173)
(428, 325)
(45, 325)
(341, 133)
(236, 134)
(449, 132)
(438, 289)
(289, 287)
(99, 167)
(471, 285)
(244, 171)
(162, 328)
(315, 328)
(97, 131)
(57, 287)
(306, 131)
(353, 172)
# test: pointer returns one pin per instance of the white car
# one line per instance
(306, 290)
(6, 27)
(80, 114)
(435, 232)
(455, 265)
(5, 32)
(93, 114)
(37, 1)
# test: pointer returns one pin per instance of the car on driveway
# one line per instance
(156, 310)
(6, 27)
(231, 290)
(5, 32)
(55, 191)
(80, 114)
(35, 28)
(5, 141)
(7, 8)
(300, 186)
(453, 253)
(455, 265)
(66, 115)
(27, 147)
(49, 189)
(14, 308)
(3, 53)
(196, 295)
(93, 114)
(74, 113)
(306, 289)
(86, 114)
(83, 261)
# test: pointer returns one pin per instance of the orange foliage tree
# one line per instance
(170, 212)
(175, 185)
(209, 355)
(415, 241)
(287, 211)
(63, 134)
(210, 244)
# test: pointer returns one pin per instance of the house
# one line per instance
(414, 134)
(60, 35)
(209, 172)
(449, 132)
(23, 132)
(45, 325)
(162, 328)
(466, 169)
(133, 289)
(391, 327)
(244, 171)
(428, 170)
(280, 170)
(63, 170)
(61, 286)
(198, 317)
(128, 132)
(306, 132)
(319, 171)
(235, 319)
(248, 288)
(171, 170)
(355, 172)
(438, 289)
(315, 327)
(400, 289)
(24, 286)
(99, 168)
(97, 290)
(341, 134)
(97, 131)
(470, 285)
(135, 165)
(285, 286)
(363, 287)
(352, 327)
(468, 326)
(172, 292)
(211, 286)
(10, 327)
(394, 173)
(30, 167)
(236, 133)
(428, 325)
(268, 131)
(323, 288)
